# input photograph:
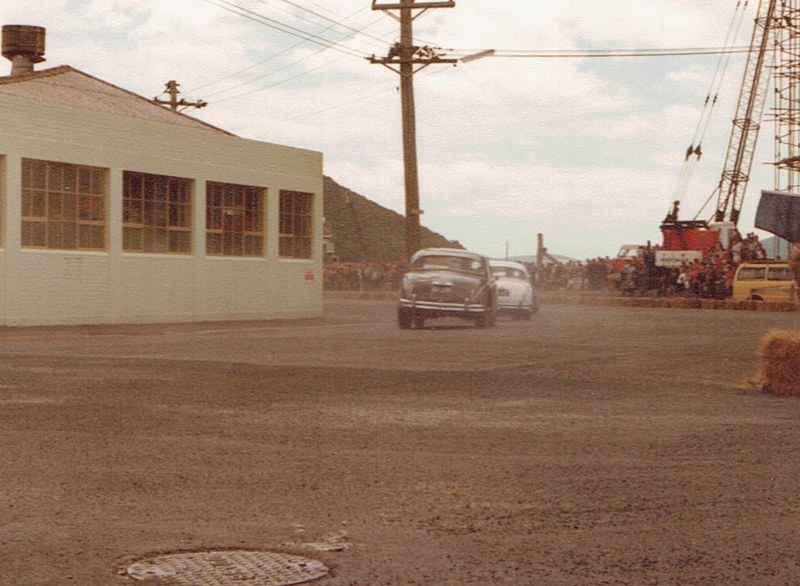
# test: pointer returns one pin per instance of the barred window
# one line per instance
(63, 206)
(234, 220)
(156, 213)
(295, 224)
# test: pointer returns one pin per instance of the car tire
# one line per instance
(419, 321)
(485, 320)
(405, 318)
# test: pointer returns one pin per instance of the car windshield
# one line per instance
(509, 272)
(447, 262)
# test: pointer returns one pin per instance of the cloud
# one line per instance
(586, 151)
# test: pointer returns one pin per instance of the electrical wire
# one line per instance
(284, 28)
(269, 73)
(693, 153)
(339, 24)
(359, 99)
(281, 82)
(603, 53)
(332, 25)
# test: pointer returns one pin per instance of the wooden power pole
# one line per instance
(406, 59)
(171, 89)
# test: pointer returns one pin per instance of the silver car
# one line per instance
(447, 282)
(515, 294)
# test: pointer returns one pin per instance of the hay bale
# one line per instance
(779, 358)
(794, 262)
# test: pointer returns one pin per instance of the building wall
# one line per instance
(112, 286)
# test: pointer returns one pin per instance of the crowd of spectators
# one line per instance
(711, 276)
(361, 276)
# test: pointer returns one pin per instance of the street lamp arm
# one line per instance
(476, 56)
(398, 6)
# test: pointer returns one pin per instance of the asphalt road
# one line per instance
(586, 446)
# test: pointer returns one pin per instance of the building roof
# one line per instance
(67, 86)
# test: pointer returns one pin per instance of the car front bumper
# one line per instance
(510, 306)
(437, 308)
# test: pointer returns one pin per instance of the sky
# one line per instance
(588, 152)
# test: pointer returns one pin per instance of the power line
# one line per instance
(606, 53)
(337, 23)
(275, 71)
(283, 27)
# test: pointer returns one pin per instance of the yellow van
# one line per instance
(764, 281)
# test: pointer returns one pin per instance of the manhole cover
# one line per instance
(227, 568)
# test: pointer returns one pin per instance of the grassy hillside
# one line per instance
(382, 230)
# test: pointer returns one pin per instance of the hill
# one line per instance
(363, 230)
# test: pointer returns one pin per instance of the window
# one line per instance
(751, 274)
(156, 213)
(780, 274)
(234, 220)
(295, 224)
(63, 206)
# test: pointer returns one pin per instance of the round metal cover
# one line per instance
(227, 568)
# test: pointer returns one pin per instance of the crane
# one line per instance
(696, 234)
(747, 123)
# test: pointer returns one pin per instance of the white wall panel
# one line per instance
(69, 287)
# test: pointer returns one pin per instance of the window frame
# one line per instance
(157, 214)
(64, 206)
(235, 220)
(295, 225)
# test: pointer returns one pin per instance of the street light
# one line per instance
(406, 59)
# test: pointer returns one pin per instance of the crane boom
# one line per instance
(746, 124)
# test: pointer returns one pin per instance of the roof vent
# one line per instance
(23, 45)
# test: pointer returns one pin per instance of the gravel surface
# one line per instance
(589, 445)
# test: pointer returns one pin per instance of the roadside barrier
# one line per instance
(556, 298)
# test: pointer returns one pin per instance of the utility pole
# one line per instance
(171, 89)
(406, 59)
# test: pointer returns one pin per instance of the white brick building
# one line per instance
(117, 210)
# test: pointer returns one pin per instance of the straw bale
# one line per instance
(794, 262)
(779, 356)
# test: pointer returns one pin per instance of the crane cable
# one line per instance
(695, 151)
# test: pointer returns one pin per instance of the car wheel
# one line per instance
(419, 321)
(404, 318)
(485, 320)
(524, 314)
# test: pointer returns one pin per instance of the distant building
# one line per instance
(116, 210)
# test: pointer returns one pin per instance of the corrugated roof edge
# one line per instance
(67, 68)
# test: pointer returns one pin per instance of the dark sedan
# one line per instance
(447, 282)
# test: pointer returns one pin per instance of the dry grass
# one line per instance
(779, 358)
